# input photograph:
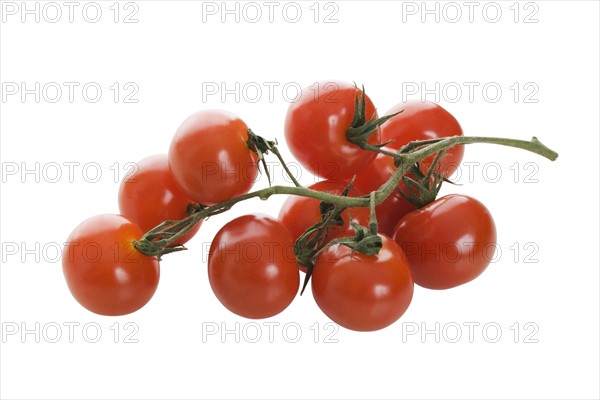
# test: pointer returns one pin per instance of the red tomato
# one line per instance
(252, 268)
(421, 121)
(448, 242)
(300, 213)
(210, 158)
(149, 196)
(361, 292)
(395, 206)
(315, 130)
(103, 270)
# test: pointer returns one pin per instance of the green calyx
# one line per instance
(422, 189)
(313, 239)
(361, 129)
(261, 147)
(364, 240)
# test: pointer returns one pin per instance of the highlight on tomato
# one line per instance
(316, 126)
(210, 157)
(252, 268)
(423, 120)
(363, 292)
(149, 196)
(103, 271)
(448, 242)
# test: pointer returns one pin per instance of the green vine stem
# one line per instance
(412, 153)
(373, 226)
(157, 241)
(275, 151)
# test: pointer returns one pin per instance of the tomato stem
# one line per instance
(373, 216)
(261, 147)
(156, 242)
(275, 151)
(424, 188)
(416, 151)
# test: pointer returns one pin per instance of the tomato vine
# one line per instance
(158, 240)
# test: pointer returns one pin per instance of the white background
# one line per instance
(172, 54)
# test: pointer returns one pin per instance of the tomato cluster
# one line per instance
(254, 264)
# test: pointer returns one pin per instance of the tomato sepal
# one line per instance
(360, 129)
(261, 147)
(422, 189)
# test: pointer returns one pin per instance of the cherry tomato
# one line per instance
(103, 270)
(361, 292)
(210, 159)
(252, 268)
(395, 206)
(315, 130)
(421, 121)
(448, 242)
(149, 196)
(300, 213)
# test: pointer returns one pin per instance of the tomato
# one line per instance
(149, 196)
(362, 292)
(395, 206)
(103, 270)
(315, 130)
(300, 213)
(421, 121)
(252, 268)
(210, 159)
(448, 242)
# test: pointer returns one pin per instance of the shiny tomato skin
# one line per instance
(300, 213)
(421, 121)
(361, 292)
(210, 159)
(395, 206)
(103, 270)
(252, 268)
(149, 195)
(315, 130)
(448, 242)
(390, 211)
